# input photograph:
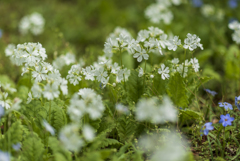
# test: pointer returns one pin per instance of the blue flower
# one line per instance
(17, 146)
(206, 127)
(232, 3)
(237, 102)
(1, 111)
(5, 156)
(213, 93)
(197, 3)
(225, 105)
(226, 120)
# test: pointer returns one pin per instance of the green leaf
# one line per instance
(60, 154)
(177, 91)
(107, 142)
(14, 135)
(135, 87)
(125, 128)
(32, 149)
(190, 115)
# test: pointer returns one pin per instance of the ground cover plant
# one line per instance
(118, 81)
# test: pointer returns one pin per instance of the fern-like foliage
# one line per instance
(187, 114)
(32, 149)
(12, 136)
(177, 91)
(135, 86)
(125, 128)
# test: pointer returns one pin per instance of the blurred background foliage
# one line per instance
(81, 26)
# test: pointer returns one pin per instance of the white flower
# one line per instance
(76, 108)
(36, 90)
(51, 91)
(101, 74)
(115, 68)
(192, 42)
(88, 132)
(175, 61)
(143, 35)
(34, 23)
(173, 43)
(195, 64)
(154, 31)
(121, 108)
(73, 75)
(151, 76)
(234, 25)
(48, 127)
(9, 49)
(180, 70)
(29, 99)
(7, 87)
(140, 74)
(141, 53)
(4, 102)
(39, 74)
(164, 71)
(122, 74)
(236, 36)
(89, 73)
(123, 39)
(69, 136)
(5, 156)
(63, 86)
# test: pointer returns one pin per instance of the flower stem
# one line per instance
(210, 147)
(185, 52)
(224, 142)
(49, 117)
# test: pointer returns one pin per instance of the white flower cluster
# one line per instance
(90, 103)
(32, 56)
(99, 71)
(71, 139)
(235, 26)
(182, 69)
(63, 60)
(168, 146)
(33, 23)
(4, 90)
(160, 11)
(150, 110)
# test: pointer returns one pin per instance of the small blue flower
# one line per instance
(4, 156)
(232, 3)
(197, 3)
(1, 111)
(226, 120)
(17, 146)
(225, 105)
(206, 127)
(213, 93)
(237, 102)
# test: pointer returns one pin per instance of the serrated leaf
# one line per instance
(125, 129)
(135, 87)
(189, 115)
(107, 142)
(177, 91)
(32, 148)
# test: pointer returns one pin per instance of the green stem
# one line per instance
(144, 74)
(9, 134)
(4, 132)
(49, 117)
(185, 52)
(209, 143)
(224, 142)
(121, 54)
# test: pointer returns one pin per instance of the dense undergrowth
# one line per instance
(119, 80)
